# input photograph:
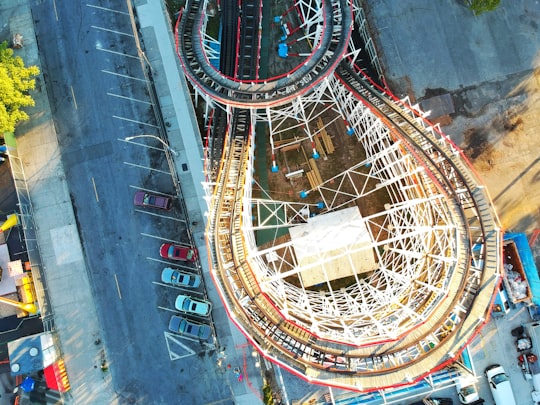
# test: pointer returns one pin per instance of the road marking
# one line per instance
(107, 9)
(135, 122)
(181, 289)
(173, 338)
(55, 11)
(129, 98)
(159, 215)
(117, 53)
(74, 99)
(95, 189)
(117, 286)
(175, 242)
(121, 75)
(178, 265)
(147, 168)
(142, 144)
(113, 31)
(152, 191)
(167, 309)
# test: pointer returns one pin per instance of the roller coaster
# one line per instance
(348, 294)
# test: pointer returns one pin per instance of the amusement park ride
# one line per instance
(371, 274)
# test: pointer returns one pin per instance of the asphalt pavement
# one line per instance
(452, 50)
(62, 270)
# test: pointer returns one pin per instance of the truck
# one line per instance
(514, 276)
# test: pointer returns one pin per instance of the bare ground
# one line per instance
(503, 144)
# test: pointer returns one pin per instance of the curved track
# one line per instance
(436, 244)
(333, 34)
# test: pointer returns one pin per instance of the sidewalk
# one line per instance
(62, 263)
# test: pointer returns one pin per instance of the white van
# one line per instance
(500, 386)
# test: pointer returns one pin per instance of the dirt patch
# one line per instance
(504, 150)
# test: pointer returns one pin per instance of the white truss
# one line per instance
(433, 236)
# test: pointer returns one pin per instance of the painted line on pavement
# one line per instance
(129, 98)
(178, 265)
(121, 75)
(74, 99)
(117, 53)
(135, 122)
(113, 31)
(174, 338)
(147, 168)
(142, 144)
(152, 191)
(117, 286)
(186, 290)
(159, 215)
(165, 239)
(95, 189)
(167, 309)
(55, 10)
(107, 9)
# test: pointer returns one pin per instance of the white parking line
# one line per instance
(117, 286)
(129, 98)
(107, 9)
(55, 10)
(117, 53)
(135, 121)
(152, 191)
(113, 31)
(147, 168)
(186, 290)
(74, 99)
(165, 239)
(178, 265)
(168, 309)
(121, 75)
(141, 144)
(154, 214)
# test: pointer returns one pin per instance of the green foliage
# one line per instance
(480, 6)
(15, 82)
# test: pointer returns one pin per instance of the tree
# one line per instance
(480, 6)
(15, 82)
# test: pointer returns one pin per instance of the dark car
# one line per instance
(144, 199)
(175, 252)
(184, 326)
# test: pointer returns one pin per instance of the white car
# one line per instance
(191, 305)
(180, 278)
(500, 385)
(466, 389)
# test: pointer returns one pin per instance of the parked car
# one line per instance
(188, 304)
(184, 326)
(144, 199)
(180, 278)
(466, 389)
(174, 252)
(500, 385)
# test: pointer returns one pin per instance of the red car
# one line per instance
(144, 199)
(174, 252)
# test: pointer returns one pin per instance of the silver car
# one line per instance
(192, 305)
(184, 326)
(180, 278)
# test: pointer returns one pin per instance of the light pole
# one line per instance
(167, 147)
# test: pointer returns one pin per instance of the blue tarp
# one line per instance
(527, 260)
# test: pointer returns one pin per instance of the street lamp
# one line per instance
(167, 147)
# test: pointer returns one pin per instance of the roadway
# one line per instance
(98, 96)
